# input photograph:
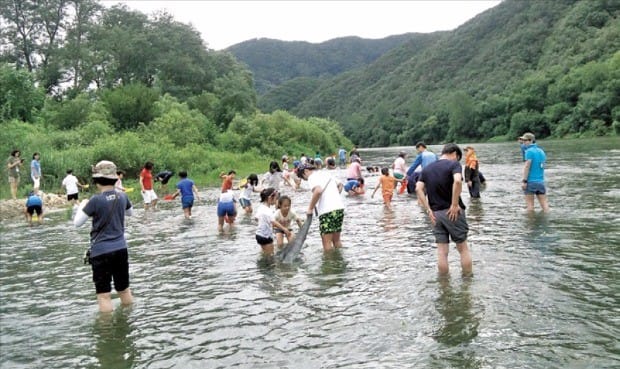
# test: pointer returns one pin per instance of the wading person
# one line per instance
(108, 247)
(472, 172)
(533, 182)
(328, 202)
(438, 191)
(188, 191)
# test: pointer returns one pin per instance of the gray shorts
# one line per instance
(445, 229)
(535, 188)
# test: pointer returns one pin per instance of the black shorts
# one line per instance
(111, 266)
(73, 196)
(35, 209)
(264, 240)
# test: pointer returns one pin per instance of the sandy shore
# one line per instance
(15, 208)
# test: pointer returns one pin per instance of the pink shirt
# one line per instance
(354, 171)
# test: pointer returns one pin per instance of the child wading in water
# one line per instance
(266, 221)
(285, 216)
(187, 189)
(246, 195)
(387, 183)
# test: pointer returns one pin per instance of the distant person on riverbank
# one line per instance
(146, 185)
(188, 191)
(119, 182)
(72, 186)
(265, 214)
(34, 205)
(533, 182)
(13, 163)
(35, 171)
(342, 157)
(108, 247)
(328, 202)
(472, 172)
(247, 189)
(438, 192)
(387, 183)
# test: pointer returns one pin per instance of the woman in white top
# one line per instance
(329, 205)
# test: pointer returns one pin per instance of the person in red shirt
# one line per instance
(227, 180)
(146, 184)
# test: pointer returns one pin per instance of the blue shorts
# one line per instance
(535, 188)
(187, 202)
(245, 202)
(226, 208)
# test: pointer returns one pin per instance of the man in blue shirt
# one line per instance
(533, 182)
(422, 160)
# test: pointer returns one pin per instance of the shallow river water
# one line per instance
(545, 291)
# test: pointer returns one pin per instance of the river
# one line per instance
(545, 291)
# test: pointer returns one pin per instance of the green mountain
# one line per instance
(274, 62)
(550, 67)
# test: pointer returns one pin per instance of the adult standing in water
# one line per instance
(472, 172)
(35, 171)
(13, 163)
(438, 191)
(108, 246)
(328, 202)
(533, 182)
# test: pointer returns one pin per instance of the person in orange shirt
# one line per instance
(146, 183)
(387, 183)
(227, 180)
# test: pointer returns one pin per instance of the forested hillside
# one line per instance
(550, 67)
(80, 83)
(273, 61)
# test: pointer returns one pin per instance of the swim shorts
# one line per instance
(331, 222)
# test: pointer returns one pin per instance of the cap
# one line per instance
(105, 169)
(528, 136)
(300, 169)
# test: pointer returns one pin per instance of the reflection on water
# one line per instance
(545, 292)
(114, 347)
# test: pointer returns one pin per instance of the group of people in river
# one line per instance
(436, 180)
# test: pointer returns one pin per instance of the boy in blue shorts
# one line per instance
(187, 189)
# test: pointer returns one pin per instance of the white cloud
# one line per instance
(225, 23)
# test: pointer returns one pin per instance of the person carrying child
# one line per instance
(34, 204)
(387, 183)
(187, 189)
(285, 216)
(265, 215)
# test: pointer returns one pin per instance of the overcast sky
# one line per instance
(225, 23)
